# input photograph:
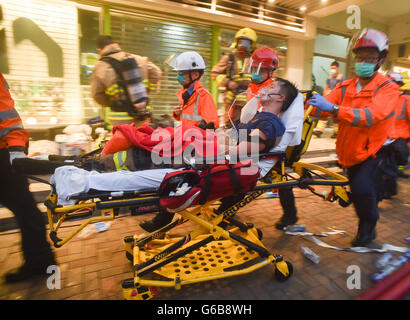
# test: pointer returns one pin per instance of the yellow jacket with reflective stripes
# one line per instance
(220, 73)
(104, 78)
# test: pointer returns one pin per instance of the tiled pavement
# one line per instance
(94, 267)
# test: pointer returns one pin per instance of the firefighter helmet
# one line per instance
(265, 58)
(245, 33)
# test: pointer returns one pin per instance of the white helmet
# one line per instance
(186, 61)
(370, 38)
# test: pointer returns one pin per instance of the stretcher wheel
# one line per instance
(278, 273)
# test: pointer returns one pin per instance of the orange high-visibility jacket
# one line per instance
(12, 133)
(200, 106)
(254, 88)
(365, 118)
(401, 119)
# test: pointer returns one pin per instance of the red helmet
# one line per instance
(265, 58)
(370, 38)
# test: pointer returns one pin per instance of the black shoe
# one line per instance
(27, 271)
(285, 221)
(159, 221)
(365, 235)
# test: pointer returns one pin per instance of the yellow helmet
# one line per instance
(246, 33)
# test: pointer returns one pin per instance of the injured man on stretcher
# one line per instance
(277, 125)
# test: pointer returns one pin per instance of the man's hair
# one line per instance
(289, 90)
(104, 40)
(334, 63)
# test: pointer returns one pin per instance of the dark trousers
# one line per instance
(287, 201)
(366, 184)
(15, 195)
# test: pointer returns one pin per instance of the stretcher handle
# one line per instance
(280, 154)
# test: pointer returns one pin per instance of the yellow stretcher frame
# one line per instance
(139, 288)
(275, 180)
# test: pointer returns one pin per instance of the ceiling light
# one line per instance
(324, 1)
(303, 8)
(271, 1)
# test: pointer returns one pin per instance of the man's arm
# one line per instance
(218, 72)
(154, 75)
(98, 85)
(382, 107)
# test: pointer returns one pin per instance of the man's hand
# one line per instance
(16, 155)
(232, 85)
(321, 102)
(177, 110)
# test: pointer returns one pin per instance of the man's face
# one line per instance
(367, 55)
(264, 72)
(272, 94)
(244, 45)
(194, 76)
(334, 69)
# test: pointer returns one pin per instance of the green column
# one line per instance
(214, 60)
(106, 20)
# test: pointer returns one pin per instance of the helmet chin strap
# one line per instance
(190, 81)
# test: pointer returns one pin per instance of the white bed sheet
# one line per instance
(70, 181)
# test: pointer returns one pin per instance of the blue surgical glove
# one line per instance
(321, 102)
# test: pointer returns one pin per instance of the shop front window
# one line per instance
(38, 59)
(329, 48)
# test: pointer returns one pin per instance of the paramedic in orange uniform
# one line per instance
(365, 107)
(196, 103)
(264, 62)
(15, 194)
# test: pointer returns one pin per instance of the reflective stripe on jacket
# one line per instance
(365, 117)
(200, 106)
(12, 133)
(401, 119)
(221, 74)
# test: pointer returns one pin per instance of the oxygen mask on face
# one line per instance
(251, 107)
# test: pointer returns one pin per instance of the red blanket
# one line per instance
(171, 142)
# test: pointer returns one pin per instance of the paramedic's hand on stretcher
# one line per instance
(16, 155)
(321, 102)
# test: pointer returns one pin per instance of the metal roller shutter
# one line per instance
(158, 39)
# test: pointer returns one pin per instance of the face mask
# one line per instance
(181, 78)
(244, 44)
(364, 70)
(332, 71)
(257, 78)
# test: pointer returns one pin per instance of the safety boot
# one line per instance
(366, 234)
(159, 221)
(285, 221)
